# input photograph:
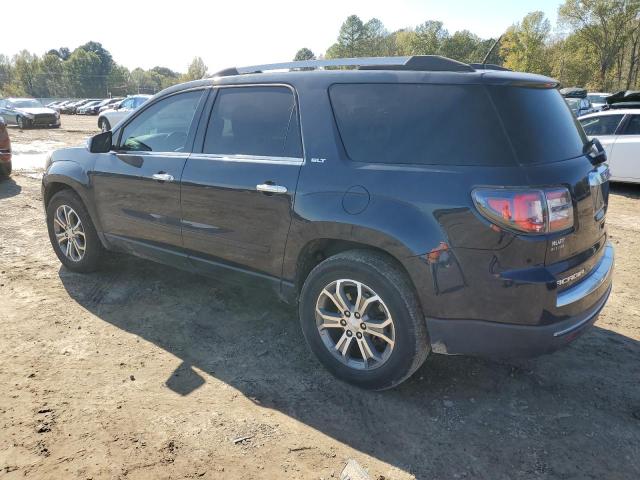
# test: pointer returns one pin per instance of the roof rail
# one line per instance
(489, 66)
(432, 63)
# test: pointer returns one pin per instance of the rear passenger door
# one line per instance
(238, 190)
(625, 163)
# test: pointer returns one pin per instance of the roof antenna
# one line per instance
(486, 57)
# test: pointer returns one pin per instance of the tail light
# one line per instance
(528, 211)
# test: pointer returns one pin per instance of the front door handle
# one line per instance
(162, 177)
(269, 188)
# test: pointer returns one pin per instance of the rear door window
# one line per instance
(601, 125)
(419, 124)
(255, 121)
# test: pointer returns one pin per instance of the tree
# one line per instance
(304, 54)
(351, 39)
(83, 70)
(523, 45)
(604, 25)
(462, 46)
(26, 70)
(197, 70)
(429, 38)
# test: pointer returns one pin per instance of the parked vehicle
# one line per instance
(5, 150)
(27, 113)
(88, 107)
(577, 100)
(111, 106)
(414, 204)
(61, 105)
(109, 118)
(619, 132)
(598, 100)
(73, 108)
(68, 108)
(98, 106)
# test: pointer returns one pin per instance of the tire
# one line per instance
(5, 171)
(89, 260)
(21, 122)
(378, 275)
(103, 123)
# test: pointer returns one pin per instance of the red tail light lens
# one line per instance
(527, 211)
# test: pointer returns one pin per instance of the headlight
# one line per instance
(28, 115)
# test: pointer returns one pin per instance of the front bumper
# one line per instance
(502, 340)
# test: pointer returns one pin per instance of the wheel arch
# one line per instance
(68, 175)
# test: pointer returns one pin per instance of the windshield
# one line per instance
(27, 103)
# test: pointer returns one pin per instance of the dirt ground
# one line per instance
(141, 371)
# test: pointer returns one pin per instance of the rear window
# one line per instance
(539, 123)
(601, 125)
(419, 124)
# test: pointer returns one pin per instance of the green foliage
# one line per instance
(88, 71)
(304, 54)
(196, 71)
(523, 46)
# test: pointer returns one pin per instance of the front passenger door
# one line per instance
(137, 185)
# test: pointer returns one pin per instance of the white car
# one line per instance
(109, 118)
(618, 130)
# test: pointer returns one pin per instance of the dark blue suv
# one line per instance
(407, 205)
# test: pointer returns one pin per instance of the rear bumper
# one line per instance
(502, 340)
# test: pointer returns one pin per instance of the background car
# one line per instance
(109, 118)
(598, 100)
(5, 150)
(577, 100)
(73, 109)
(28, 112)
(619, 133)
(87, 107)
(97, 107)
(112, 105)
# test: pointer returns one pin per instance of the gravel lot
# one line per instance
(142, 371)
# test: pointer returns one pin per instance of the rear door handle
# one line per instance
(162, 177)
(268, 188)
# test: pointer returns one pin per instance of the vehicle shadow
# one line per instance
(630, 190)
(9, 188)
(575, 411)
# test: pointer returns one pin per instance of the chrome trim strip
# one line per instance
(591, 283)
(248, 158)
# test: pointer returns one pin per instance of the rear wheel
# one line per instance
(360, 316)
(72, 233)
(104, 125)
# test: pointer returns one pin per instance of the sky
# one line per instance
(146, 34)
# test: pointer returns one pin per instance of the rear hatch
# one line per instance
(549, 145)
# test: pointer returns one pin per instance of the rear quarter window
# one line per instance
(419, 124)
(539, 123)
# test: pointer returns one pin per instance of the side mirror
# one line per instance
(595, 151)
(101, 143)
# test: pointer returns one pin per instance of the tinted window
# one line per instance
(419, 124)
(601, 125)
(539, 124)
(260, 121)
(633, 127)
(164, 126)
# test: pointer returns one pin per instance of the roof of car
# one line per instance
(415, 69)
(619, 111)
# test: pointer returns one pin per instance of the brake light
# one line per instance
(527, 211)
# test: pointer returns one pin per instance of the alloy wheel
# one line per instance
(355, 324)
(69, 233)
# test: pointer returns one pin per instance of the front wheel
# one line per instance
(72, 233)
(22, 122)
(361, 318)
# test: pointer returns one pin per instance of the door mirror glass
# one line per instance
(101, 143)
